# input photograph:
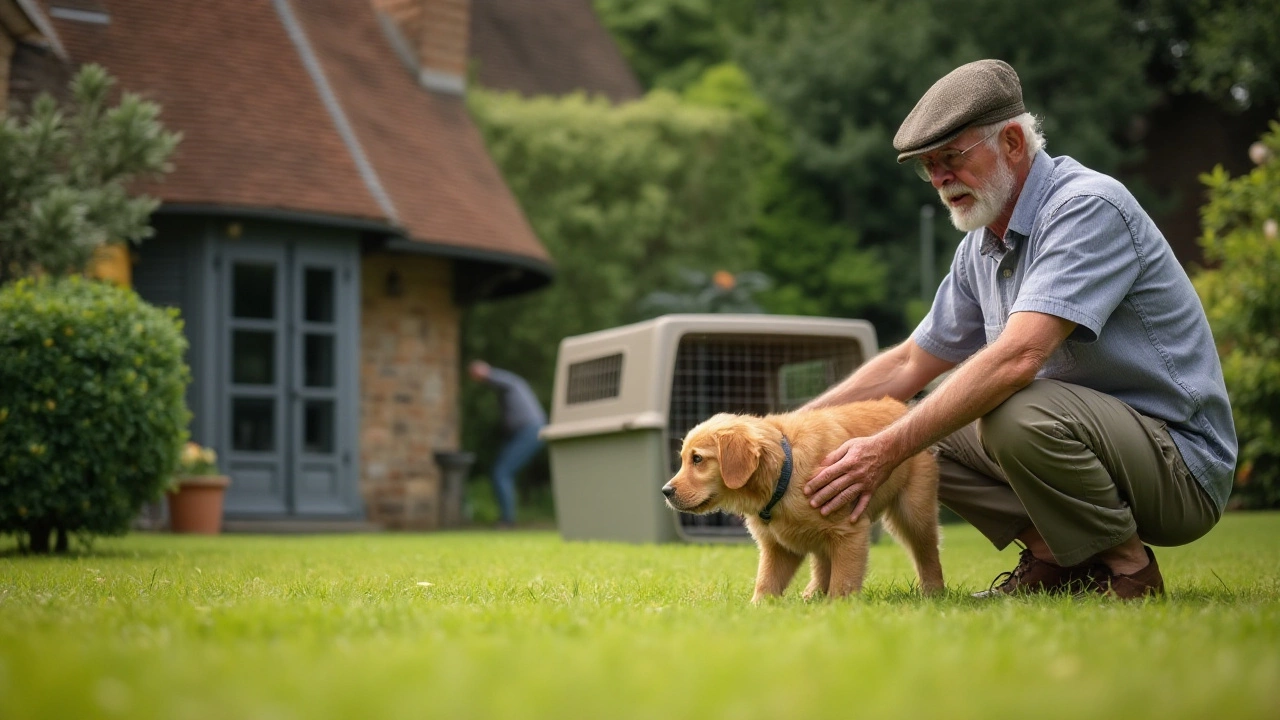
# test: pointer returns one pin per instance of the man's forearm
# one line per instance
(975, 388)
(886, 374)
(978, 386)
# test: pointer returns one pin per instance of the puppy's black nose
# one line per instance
(668, 490)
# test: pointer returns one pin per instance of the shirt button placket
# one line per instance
(1006, 287)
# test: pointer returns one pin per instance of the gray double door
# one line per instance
(287, 366)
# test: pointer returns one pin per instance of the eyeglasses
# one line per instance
(950, 160)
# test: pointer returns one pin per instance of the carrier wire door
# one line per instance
(747, 374)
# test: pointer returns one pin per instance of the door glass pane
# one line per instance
(253, 291)
(318, 295)
(253, 356)
(253, 426)
(317, 426)
(318, 360)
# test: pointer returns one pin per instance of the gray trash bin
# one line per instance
(455, 468)
(624, 399)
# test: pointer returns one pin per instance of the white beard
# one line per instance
(987, 204)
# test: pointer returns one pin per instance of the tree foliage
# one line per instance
(92, 408)
(1222, 49)
(843, 76)
(838, 232)
(816, 266)
(718, 292)
(65, 176)
(671, 43)
(624, 198)
(1241, 239)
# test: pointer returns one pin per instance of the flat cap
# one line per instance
(979, 93)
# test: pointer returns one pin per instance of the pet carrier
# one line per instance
(624, 399)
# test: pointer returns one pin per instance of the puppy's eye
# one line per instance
(696, 458)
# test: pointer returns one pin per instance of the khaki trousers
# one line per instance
(1085, 469)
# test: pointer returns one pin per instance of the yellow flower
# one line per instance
(51, 405)
(48, 342)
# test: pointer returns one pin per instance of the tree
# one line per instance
(668, 43)
(671, 43)
(624, 198)
(838, 216)
(816, 265)
(1222, 49)
(65, 176)
(1241, 238)
(842, 77)
(719, 292)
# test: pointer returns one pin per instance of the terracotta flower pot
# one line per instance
(196, 507)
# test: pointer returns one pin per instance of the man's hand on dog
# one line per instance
(851, 472)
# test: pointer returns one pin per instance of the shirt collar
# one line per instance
(1024, 210)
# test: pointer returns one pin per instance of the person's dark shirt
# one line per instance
(520, 407)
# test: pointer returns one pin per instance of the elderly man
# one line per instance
(1087, 413)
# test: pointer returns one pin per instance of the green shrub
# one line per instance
(1243, 304)
(92, 413)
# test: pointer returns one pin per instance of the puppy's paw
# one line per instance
(764, 598)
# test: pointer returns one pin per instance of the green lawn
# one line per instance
(524, 625)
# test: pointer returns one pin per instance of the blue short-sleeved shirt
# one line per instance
(1081, 248)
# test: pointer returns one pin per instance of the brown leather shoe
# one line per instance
(1135, 586)
(1033, 575)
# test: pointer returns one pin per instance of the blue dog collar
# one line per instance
(783, 481)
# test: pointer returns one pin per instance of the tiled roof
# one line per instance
(27, 22)
(302, 106)
(547, 47)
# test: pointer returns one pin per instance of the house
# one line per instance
(331, 212)
(23, 28)
(547, 47)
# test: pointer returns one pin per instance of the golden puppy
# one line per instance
(734, 463)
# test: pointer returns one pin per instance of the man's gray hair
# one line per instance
(1030, 125)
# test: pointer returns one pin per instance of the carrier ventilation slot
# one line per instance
(596, 379)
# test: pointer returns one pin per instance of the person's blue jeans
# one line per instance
(516, 452)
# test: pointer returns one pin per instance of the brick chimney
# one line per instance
(431, 37)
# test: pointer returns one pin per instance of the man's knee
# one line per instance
(1026, 418)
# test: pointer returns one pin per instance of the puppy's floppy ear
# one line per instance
(739, 457)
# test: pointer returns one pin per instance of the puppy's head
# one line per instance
(717, 460)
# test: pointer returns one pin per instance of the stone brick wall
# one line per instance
(409, 376)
